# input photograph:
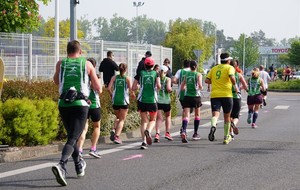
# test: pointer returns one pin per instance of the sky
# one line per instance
(278, 19)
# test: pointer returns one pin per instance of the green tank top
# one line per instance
(254, 86)
(120, 95)
(163, 94)
(95, 99)
(192, 88)
(148, 92)
(182, 75)
(237, 79)
(73, 73)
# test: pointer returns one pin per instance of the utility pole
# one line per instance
(73, 19)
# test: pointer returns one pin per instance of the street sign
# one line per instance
(198, 53)
(1, 75)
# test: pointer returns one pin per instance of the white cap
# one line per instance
(227, 58)
(164, 68)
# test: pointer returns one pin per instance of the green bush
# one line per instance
(34, 90)
(285, 85)
(29, 122)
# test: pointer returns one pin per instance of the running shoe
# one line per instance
(249, 118)
(211, 135)
(80, 168)
(95, 153)
(144, 146)
(156, 138)
(183, 138)
(227, 139)
(196, 136)
(264, 102)
(117, 140)
(148, 137)
(234, 128)
(112, 134)
(232, 137)
(60, 173)
(168, 136)
(254, 125)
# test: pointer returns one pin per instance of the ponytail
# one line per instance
(122, 69)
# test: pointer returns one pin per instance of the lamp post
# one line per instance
(244, 53)
(73, 21)
(137, 5)
(215, 46)
(56, 30)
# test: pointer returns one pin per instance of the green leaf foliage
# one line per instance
(185, 37)
(19, 15)
(294, 53)
(285, 85)
(29, 122)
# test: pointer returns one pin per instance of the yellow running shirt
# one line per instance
(221, 86)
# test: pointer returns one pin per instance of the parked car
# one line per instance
(296, 75)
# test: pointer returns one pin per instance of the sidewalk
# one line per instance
(16, 154)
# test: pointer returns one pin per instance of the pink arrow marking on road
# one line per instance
(133, 157)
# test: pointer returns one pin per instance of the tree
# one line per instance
(19, 15)
(155, 32)
(251, 51)
(119, 29)
(102, 28)
(64, 29)
(294, 53)
(184, 37)
(260, 39)
(85, 27)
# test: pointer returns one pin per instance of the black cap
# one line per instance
(148, 53)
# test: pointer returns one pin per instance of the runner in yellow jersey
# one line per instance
(221, 77)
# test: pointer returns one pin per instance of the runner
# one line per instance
(221, 77)
(192, 84)
(177, 79)
(147, 98)
(72, 75)
(164, 103)
(120, 99)
(95, 115)
(266, 78)
(237, 99)
(254, 99)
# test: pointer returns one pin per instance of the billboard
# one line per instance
(273, 50)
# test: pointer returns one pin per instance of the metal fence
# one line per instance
(31, 57)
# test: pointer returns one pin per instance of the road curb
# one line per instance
(14, 154)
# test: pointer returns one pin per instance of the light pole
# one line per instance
(56, 30)
(244, 53)
(215, 46)
(137, 5)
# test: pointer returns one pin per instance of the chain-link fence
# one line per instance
(31, 57)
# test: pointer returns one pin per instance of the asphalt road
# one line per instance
(263, 158)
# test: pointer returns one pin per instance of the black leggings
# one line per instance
(74, 119)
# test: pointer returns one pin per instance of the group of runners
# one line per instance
(78, 80)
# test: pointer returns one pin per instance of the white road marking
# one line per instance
(281, 107)
(27, 169)
(103, 152)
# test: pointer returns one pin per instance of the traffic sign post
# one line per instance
(198, 53)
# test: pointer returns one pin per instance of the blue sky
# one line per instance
(277, 18)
